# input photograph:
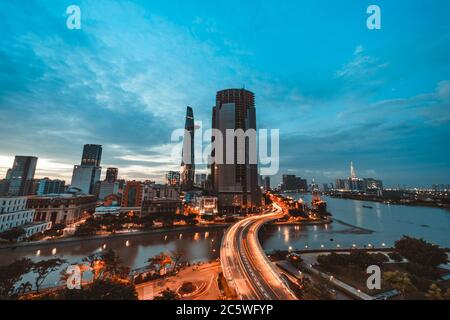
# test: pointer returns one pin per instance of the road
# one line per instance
(245, 265)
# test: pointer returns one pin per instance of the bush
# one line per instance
(420, 251)
(395, 256)
(187, 287)
(422, 271)
(357, 258)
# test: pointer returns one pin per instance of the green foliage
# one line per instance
(44, 268)
(105, 289)
(187, 287)
(13, 234)
(434, 293)
(314, 291)
(89, 228)
(420, 251)
(107, 265)
(400, 281)
(395, 256)
(357, 258)
(12, 274)
(167, 294)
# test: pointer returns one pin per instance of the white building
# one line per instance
(207, 205)
(14, 214)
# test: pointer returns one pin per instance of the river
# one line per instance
(381, 224)
(359, 225)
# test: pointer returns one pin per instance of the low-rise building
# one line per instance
(15, 214)
(107, 210)
(62, 208)
(207, 205)
(160, 207)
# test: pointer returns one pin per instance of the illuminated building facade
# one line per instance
(235, 184)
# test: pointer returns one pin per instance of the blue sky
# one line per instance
(337, 91)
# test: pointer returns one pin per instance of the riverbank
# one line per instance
(73, 239)
(303, 223)
(404, 202)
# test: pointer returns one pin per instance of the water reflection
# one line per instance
(380, 226)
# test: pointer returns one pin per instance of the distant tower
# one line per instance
(85, 175)
(111, 174)
(187, 163)
(352, 171)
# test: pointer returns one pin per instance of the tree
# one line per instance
(13, 234)
(106, 265)
(147, 222)
(44, 268)
(400, 281)
(89, 228)
(106, 289)
(420, 251)
(159, 262)
(177, 257)
(113, 267)
(10, 275)
(434, 293)
(314, 291)
(167, 294)
(187, 287)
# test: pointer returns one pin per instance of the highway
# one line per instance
(245, 265)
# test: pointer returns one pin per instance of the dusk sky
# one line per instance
(337, 91)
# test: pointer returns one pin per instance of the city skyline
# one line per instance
(378, 100)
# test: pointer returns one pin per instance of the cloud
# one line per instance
(362, 65)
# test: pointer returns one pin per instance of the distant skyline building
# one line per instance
(92, 155)
(133, 195)
(356, 184)
(291, 182)
(50, 186)
(21, 175)
(173, 178)
(352, 171)
(188, 161)
(201, 179)
(266, 185)
(111, 174)
(86, 175)
(235, 184)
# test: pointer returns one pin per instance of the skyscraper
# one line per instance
(92, 155)
(352, 171)
(236, 183)
(187, 163)
(21, 175)
(111, 174)
(88, 173)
